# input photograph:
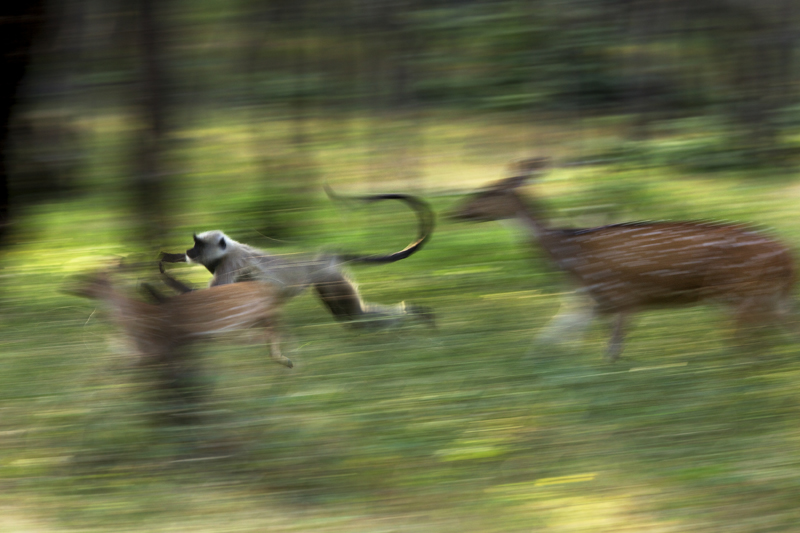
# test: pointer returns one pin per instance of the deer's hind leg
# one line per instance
(174, 377)
(617, 337)
(755, 316)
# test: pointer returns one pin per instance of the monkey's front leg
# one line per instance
(167, 257)
(169, 280)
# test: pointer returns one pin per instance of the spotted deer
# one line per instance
(160, 331)
(628, 267)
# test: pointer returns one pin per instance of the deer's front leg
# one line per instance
(617, 337)
(273, 338)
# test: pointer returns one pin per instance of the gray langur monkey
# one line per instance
(230, 261)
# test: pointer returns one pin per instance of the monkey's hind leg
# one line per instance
(341, 297)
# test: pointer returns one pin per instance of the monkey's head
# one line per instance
(210, 247)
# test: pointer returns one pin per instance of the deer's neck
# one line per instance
(535, 227)
(126, 313)
(560, 248)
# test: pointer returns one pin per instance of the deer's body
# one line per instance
(626, 267)
(629, 267)
(159, 331)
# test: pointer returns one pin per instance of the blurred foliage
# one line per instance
(647, 64)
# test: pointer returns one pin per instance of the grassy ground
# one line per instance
(472, 427)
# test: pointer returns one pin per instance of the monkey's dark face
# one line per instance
(208, 250)
(196, 251)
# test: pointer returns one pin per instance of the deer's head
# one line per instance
(95, 285)
(499, 200)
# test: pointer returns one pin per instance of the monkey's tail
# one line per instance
(425, 217)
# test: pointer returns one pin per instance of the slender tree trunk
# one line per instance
(19, 24)
(149, 181)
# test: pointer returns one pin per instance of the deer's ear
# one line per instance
(533, 164)
(512, 183)
(524, 170)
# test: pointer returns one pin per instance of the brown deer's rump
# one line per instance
(641, 265)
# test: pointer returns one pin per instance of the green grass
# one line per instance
(472, 427)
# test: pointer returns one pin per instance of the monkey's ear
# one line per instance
(222, 243)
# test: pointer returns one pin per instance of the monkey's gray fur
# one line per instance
(230, 261)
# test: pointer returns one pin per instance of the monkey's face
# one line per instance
(209, 248)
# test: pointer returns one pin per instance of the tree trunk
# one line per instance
(149, 181)
(20, 23)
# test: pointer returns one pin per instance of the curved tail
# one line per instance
(425, 217)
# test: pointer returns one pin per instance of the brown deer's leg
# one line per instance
(176, 382)
(273, 337)
(754, 316)
(617, 337)
(787, 316)
(575, 314)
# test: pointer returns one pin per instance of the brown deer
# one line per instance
(161, 332)
(164, 333)
(633, 266)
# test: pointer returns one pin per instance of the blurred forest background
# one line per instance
(129, 125)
